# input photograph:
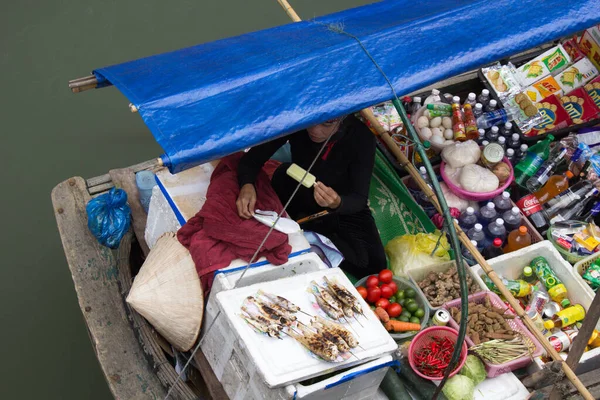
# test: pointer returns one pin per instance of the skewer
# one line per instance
(356, 319)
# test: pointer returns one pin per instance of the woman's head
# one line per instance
(320, 133)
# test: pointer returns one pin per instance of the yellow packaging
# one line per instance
(594, 339)
(586, 240)
(590, 47)
(543, 88)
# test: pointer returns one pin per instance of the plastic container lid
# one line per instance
(416, 99)
(508, 125)
(500, 221)
(485, 143)
(485, 92)
(471, 96)
(478, 106)
(501, 140)
(527, 271)
(494, 129)
(481, 132)
(510, 152)
(470, 210)
(478, 227)
(456, 99)
(569, 174)
(515, 136)
(493, 103)
(497, 242)
(523, 230)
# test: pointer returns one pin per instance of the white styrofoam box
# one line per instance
(161, 218)
(281, 362)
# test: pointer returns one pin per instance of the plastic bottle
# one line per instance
(481, 138)
(488, 213)
(531, 208)
(434, 97)
(493, 250)
(591, 214)
(545, 172)
(506, 130)
(501, 116)
(529, 277)
(569, 196)
(512, 219)
(518, 287)
(502, 141)
(575, 210)
(510, 154)
(467, 219)
(491, 106)
(517, 239)
(476, 233)
(556, 185)
(467, 254)
(484, 97)
(502, 202)
(470, 125)
(416, 105)
(566, 317)
(145, 181)
(497, 230)
(471, 99)
(556, 289)
(478, 110)
(535, 157)
(458, 126)
(493, 134)
(521, 152)
(456, 100)
(514, 141)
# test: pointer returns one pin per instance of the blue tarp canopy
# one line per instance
(216, 98)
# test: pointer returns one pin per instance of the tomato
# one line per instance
(394, 309)
(386, 291)
(372, 282)
(393, 285)
(362, 291)
(373, 294)
(383, 303)
(386, 276)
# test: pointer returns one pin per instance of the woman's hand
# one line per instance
(326, 196)
(246, 201)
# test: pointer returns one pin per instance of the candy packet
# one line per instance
(502, 80)
(592, 275)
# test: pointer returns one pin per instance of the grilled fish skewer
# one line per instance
(279, 310)
(335, 314)
(343, 294)
(272, 330)
(269, 312)
(324, 349)
(339, 330)
(326, 295)
(280, 301)
(335, 339)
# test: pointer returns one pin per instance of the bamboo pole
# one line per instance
(289, 10)
(83, 83)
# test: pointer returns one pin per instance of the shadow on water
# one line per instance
(49, 135)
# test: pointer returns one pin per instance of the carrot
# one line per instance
(382, 314)
(400, 326)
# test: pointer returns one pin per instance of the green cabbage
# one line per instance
(474, 369)
(459, 387)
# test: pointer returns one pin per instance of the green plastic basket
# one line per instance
(570, 257)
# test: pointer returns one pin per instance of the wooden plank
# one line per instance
(102, 179)
(95, 277)
(146, 333)
(101, 188)
(125, 179)
(591, 380)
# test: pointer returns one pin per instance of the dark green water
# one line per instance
(48, 135)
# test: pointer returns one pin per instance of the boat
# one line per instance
(136, 361)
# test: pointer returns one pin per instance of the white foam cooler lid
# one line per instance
(284, 361)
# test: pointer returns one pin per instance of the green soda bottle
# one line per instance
(556, 289)
(518, 287)
(535, 157)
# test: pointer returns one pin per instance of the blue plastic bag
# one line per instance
(109, 217)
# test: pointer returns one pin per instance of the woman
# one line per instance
(343, 171)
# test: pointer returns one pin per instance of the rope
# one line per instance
(339, 122)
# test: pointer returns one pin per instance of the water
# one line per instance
(50, 134)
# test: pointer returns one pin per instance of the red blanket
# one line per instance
(216, 235)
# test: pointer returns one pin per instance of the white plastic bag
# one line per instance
(453, 200)
(461, 153)
(477, 179)
(414, 251)
(453, 175)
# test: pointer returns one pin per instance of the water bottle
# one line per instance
(545, 171)
(484, 143)
(567, 198)
(481, 136)
(478, 110)
(506, 130)
(502, 203)
(471, 99)
(492, 106)
(514, 141)
(520, 153)
(510, 154)
(467, 219)
(497, 117)
(502, 141)
(487, 214)
(497, 230)
(476, 233)
(512, 219)
(484, 97)
(467, 254)
(456, 100)
(416, 104)
(493, 134)
(422, 196)
(145, 181)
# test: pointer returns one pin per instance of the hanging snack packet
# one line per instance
(589, 45)
(572, 49)
(577, 75)
(580, 106)
(543, 88)
(592, 275)
(528, 115)
(593, 89)
(502, 80)
(550, 62)
(554, 116)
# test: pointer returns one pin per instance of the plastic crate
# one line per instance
(567, 255)
(418, 274)
(580, 268)
(516, 325)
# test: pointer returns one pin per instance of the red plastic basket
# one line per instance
(425, 337)
(494, 370)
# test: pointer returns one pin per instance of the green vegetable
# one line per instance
(392, 299)
(415, 320)
(404, 318)
(459, 387)
(419, 313)
(412, 307)
(401, 301)
(393, 387)
(421, 387)
(400, 295)
(406, 313)
(410, 293)
(474, 369)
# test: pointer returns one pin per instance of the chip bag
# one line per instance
(414, 251)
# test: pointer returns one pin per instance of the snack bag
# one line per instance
(529, 115)
(554, 116)
(592, 275)
(543, 88)
(572, 49)
(550, 62)
(589, 45)
(502, 80)
(577, 75)
(593, 89)
(580, 106)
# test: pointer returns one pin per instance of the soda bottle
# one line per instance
(488, 213)
(416, 105)
(484, 97)
(501, 116)
(502, 202)
(493, 250)
(545, 172)
(478, 110)
(491, 106)
(502, 141)
(467, 219)
(566, 317)
(518, 287)
(531, 208)
(556, 185)
(517, 239)
(493, 134)
(567, 197)
(470, 123)
(506, 130)
(514, 141)
(520, 154)
(535, 157)
(510, 154)
(512, 219)
(556, 289)
(458, 126)
(471, 99)
(497, 230)
(529, 277)
(467, 254)
(573, 210)
(476, 233)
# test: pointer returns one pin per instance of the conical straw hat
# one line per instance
(168, 293)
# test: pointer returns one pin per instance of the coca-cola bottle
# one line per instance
(530, 207)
